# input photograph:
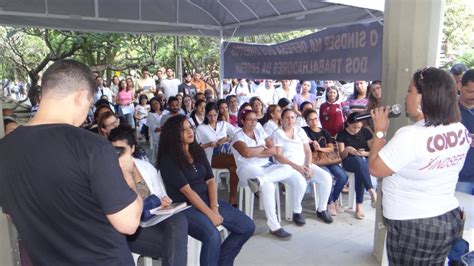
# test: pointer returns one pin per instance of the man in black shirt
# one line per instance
(187, 87)
(63, 186)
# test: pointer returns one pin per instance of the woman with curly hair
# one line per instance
(188, 178)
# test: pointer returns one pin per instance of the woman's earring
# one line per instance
(418, 109)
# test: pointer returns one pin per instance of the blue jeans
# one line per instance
(360, 167)
(465, 187)
(167, 240)
(341, 180)
(213, 253)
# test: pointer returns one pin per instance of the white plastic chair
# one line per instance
(246, 201)
(147, 261)
(221, 173)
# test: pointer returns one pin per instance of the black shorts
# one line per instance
(423, 241)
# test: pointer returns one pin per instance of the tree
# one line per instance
(458, 27)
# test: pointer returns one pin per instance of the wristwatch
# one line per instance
(380, 134)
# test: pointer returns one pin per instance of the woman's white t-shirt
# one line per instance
(260, 136)
(270, 127)
(293, 149)
(205, 134)
(426, 162)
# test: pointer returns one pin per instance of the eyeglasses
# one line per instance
(251, 119)
(113, 124)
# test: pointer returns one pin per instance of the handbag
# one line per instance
(224, 149)
(326, 158)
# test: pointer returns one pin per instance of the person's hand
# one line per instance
(309, 172)
(216, 218)
(380, 117)
(271, 151)
(301, 170)
(316, 145)
(166, 201)
(211, 144)
(222, 140)
(352, 150)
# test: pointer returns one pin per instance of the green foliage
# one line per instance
(458, 27)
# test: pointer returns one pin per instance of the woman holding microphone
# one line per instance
(420, 166)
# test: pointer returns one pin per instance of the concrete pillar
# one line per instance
(411, 40)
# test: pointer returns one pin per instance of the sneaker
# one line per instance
(254, 184)
(332, 209)
(298, 219)
(281, 234)
(323, 215)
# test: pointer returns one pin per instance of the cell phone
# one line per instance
(119, 150)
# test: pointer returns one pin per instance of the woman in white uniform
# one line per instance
(252, 148)
(292, 148)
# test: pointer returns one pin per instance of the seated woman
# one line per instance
(321, 140)
(292, 148)
(198, 114)
(258, 109)
(252, 148)
(167, 239)
(214, 137)
(354, 144)
(273, 117)
(300, 121)
(188, 177)
(106, 122)
(224, 114)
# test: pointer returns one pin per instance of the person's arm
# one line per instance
(248, 152)
(127, 220)
(199, 204)
(377, 166)
(212, 193)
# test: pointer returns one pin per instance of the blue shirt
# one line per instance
(467, 119)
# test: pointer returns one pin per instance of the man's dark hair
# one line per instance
(458, 69)
(145, 69)
(127, 134)
(305, 103)
(185, 74)
(198, 94)
(67, 76)
(171, 143)
(169, 68)
(283, 102)
(439, 97)
(172, 99)
(467, 77)
(124, 133)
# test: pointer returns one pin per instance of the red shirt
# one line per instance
(331, 117)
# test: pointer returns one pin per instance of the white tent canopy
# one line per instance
(217, 18)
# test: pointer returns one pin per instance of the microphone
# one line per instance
(395, 111)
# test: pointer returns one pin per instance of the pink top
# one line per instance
(124, 97)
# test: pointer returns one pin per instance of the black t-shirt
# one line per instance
(58, 182)
(317, 136)
(187, 89)
(357, 141)
(176, 178)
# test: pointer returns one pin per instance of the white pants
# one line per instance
(270, 175)
(324, 181)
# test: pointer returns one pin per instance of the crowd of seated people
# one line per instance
(261, 134)
(261, 142)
